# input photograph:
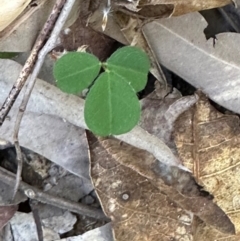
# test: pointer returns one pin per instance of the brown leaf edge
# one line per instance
(178, 184)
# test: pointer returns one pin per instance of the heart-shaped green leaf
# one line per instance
(75, 71)
(131, 64)
(111, 107)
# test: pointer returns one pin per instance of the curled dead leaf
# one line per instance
(208, 144)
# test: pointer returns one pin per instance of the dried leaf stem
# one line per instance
(27, 69)
(52, 27)
(36, 194)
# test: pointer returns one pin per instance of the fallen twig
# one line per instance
(63, 9)
(27, 69)
(34, 193)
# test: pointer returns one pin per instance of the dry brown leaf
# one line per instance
(149, 12)
(139, 211)
(208, 144)
(123, 167)
(176, 183)
(164, 8)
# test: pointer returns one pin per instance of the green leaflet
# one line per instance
(111, 106)
(132, 64)
(75, 71)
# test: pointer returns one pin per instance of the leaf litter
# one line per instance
(190, 229)
(124, 201)
(132, 202)
(208, 144)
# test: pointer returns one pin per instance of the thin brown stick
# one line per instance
(48, 27)
(36, 194)
(50, 44)
(27, 68)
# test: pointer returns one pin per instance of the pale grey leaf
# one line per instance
(6, 195)
(180, 45)
(23, 228)
(50, 100)
(51, 137)
(21, 36)
(60, 224)
(48, 135)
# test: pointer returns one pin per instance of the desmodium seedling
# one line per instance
(112, 106)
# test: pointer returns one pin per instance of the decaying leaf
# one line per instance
(137, 208)
(123, 180)
(149, 11)
(154, 8)
(208, 144)
(10, 10)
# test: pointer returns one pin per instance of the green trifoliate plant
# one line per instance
(112, 106)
